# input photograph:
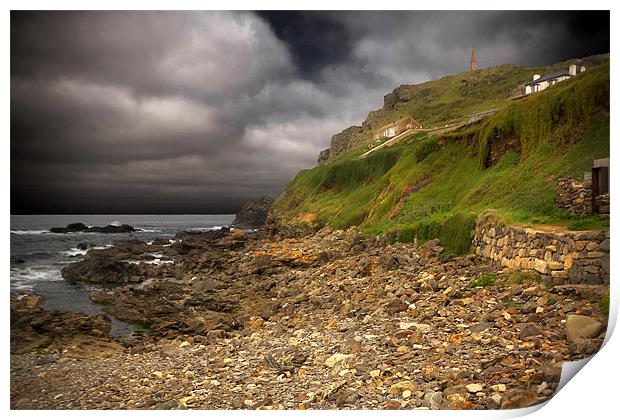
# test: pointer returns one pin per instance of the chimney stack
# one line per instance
(572, 70)
(474, 66)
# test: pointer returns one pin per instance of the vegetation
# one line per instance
(483, 281)
(523, 277)
(603, 304)
(425, 188)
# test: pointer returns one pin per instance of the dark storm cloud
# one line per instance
(197, 111)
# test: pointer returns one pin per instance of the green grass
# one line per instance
(485, 280)
(603, 304)
(422, 189)
(140, 327)
(523, 277)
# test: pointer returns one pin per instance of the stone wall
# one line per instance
(568, 257)
(574, 196)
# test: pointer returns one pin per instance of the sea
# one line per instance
(38, 255)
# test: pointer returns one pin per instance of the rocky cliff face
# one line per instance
(341, 142)
(355, 135)
(253, 214)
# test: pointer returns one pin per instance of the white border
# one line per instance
(592, 394)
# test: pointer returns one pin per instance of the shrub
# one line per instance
(483, 281)
(603, 304)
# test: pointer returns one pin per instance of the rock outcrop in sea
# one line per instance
(253, 214)
(81, 227)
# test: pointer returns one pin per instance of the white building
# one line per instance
(541, 83)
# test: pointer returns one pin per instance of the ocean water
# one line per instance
(37, 255)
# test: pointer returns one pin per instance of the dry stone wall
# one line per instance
(568, 257)
(574, 196)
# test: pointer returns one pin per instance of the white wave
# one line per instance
(207, 229)
(27, 277)
(21, 285)
(156, 261)
(148, 230)
(29, 232)
(74, 252)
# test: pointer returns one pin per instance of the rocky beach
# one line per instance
(252, 320)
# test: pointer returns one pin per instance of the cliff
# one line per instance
(446, 100)
(436, 187)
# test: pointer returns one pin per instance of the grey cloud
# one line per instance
(197, 111)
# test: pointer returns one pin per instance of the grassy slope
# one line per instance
(436, 187)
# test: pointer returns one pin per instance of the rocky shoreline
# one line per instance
(248, 320)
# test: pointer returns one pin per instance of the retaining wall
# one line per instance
(568, 257)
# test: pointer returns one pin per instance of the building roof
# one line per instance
(550, 76)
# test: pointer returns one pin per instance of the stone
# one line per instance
(555, 265)
(518, 399)
(473, 388)
(256, 324)
(498, 388)
(581, 326)
(393, 405)
(543, 386)
(336, 358)
(495, 400)
(529, 330)
(433, 400)
(540, 266)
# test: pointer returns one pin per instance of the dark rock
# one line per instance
(529, 330)
(253, 214)
(81, 227)
(35, 329)
(99, 269)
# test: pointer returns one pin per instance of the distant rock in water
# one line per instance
(81, 227)
(253, 214)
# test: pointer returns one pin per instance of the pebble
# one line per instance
(473, 388)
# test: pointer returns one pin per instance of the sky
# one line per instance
(196, 112)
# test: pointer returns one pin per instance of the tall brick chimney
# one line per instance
(474, 66)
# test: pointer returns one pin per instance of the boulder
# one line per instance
(580, 327)
(253, 214)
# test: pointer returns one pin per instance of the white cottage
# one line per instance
(541, 83)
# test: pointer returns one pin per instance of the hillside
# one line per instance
(435, 187)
